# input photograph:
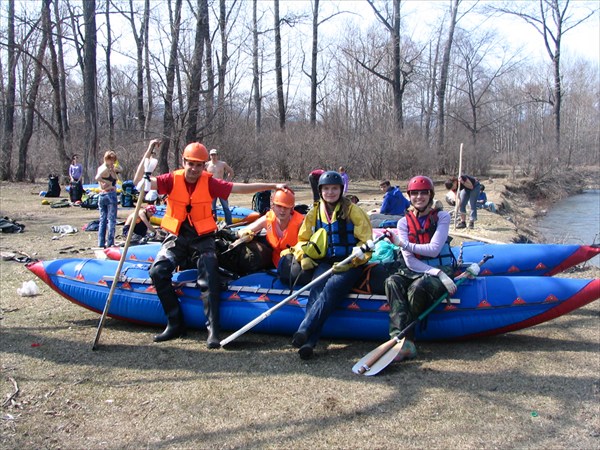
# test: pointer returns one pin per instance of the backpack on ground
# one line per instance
(53, 186)
(261, 202)
(75, 191)
(94, 225)
(10, 226)
(91, 202)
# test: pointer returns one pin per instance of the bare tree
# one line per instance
(168, 120)
(441, 92)
(90, 90)
(109, 88)
(256, 84)
(30, 101)
(9, 113)
(552, 20)
(62, 76)
(195, 85)
(59, 128)
(278, 67)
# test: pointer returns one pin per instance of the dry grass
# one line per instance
(537, 388)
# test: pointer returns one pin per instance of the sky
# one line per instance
(583, 41)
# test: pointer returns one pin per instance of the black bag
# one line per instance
(91, 202)
(76, 191)
(254, 256)
(290, 272)
(10, 226)
(53, 186)
(261, 201)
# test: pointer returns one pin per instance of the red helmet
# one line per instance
(285, 198)
(151, 210)
(420, 183)
(195, 152)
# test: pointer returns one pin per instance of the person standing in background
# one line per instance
(345, 179)
(222, 171)
(107, 177)
(76, 179)
(468, 191)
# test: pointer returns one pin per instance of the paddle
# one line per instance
(377, 360)
(457, 195)
(364, 248)
(149, 166)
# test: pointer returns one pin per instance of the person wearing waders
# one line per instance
(423, 239)
(191, 226)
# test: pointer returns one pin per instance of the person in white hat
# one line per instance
(220, 170)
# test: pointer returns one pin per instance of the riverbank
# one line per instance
(133, 393)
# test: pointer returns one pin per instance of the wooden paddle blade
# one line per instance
(366, 363)
(385, 360)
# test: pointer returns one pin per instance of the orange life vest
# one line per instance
(290, 234)
(197, 208)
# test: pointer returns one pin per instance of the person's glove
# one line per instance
(340, 268)
(308, 263)
(473, 269)
(447, 282)
(358, 252)
(246, 233)
(286, 251)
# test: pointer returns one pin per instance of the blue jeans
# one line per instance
(469, 197)
(324, 297)
(226, 210)
(107, 204)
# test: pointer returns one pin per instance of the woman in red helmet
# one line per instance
(281, 223)
(191, 225)
(423, 239)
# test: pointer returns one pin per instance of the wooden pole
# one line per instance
(457, 196)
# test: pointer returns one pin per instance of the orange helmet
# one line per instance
(284, 197)
(195, 152)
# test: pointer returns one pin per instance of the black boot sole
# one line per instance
(164, 336)
(306, 351)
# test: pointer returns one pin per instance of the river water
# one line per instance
(574, 220)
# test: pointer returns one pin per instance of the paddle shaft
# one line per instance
(286, 300)
(113, 286)
(457, 195)
(393, 341)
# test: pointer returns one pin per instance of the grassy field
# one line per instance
(536, 388)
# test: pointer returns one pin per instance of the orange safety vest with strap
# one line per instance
(197, 207)
(290, 234)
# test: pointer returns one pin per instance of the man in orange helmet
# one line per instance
(191, 225)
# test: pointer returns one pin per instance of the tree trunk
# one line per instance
(109, 91)
(191, 134)
(62, 74)
(278, 68)
(30, 101)
(63, 158)
(168, 121)
(150, 107)
(9, 114)
(90, 89)
(313, 63)
(441, 93)
(256, 85)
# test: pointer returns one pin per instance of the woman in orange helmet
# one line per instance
(281, 223)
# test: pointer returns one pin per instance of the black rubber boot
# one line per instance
(211, 311)
(175, 325)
